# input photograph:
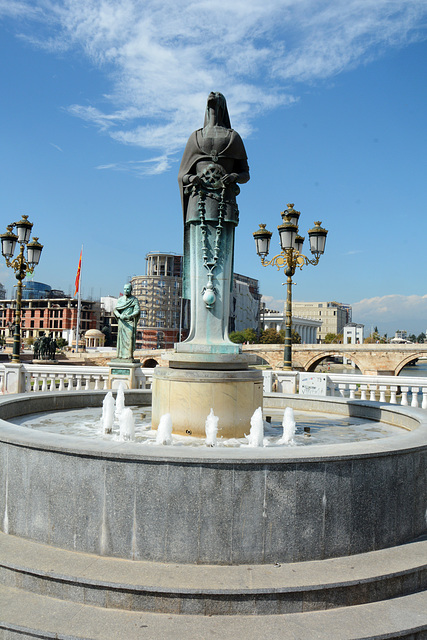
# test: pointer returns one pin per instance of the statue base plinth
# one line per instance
(123, 371)
(189, 395)
(215, 361)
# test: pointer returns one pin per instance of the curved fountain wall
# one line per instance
(213, 505)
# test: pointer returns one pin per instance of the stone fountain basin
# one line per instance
(213, 505)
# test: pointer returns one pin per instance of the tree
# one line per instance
(250, 336)
(237, 337)
(296, 338)
(421, 338)
(61, 343)
(270, 336)
(330, 338)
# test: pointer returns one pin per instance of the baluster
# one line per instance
(414, 402)
(97, 379)
(352, 391)
(69, 382)
(404, 400)
(105, 387)
(383, 389)
(363, 390)
(52, 384)
(424, 402)
(342, 386)
(61, 377)
(79, 382)
(44, 382)
(372, 392)
(27, 383)
(393, 391)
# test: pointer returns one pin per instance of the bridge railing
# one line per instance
(403, 390)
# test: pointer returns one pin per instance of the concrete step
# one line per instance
(115, 583)
(29, 615)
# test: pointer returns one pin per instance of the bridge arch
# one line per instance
(150, 362)
(317, 358)
(404, 362)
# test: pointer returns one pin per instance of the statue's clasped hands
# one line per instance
(229, 178)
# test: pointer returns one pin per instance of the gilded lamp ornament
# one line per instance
(21, 265)
(290, 258)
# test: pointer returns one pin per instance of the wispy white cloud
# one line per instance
(163, 57)
(396, 311)
(273, 303)
(150, 167)
(55, 146)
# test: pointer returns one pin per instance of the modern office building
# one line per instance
(159, 294)
(2, 292)
(244, 304)
(333, 315)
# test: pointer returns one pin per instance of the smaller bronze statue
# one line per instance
(36, 348)
(127, 312)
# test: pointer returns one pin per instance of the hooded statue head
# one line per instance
(217, 102)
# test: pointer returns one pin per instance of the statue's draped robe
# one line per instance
(128, 307)
(202, 156)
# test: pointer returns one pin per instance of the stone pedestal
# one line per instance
(14, 378)
(189, 395)
(123, 371)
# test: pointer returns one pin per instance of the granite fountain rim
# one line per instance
(413, 421)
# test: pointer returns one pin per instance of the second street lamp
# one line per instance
(21, 266)
(289, 259)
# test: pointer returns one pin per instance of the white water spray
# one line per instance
(120, 399)
(211, 428)
(164, 430)
(289, 427)
(108, 413)
(256, 434)
(127, 425)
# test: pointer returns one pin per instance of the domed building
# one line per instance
(94, 339)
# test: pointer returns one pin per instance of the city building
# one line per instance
(56, 317)
(159, 294)
(306, 328)
(2, 292)
(353, 333)
(244, 304)
(108, 321)
(333, 315)
(35, 290)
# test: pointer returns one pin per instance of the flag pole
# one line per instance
(79, 298)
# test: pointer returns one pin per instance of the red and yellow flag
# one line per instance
(79, 268)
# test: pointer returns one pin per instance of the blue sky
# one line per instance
(99, 98)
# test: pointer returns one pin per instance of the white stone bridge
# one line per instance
(372, 359)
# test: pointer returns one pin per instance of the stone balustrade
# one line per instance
(38, 377)
(406, 391)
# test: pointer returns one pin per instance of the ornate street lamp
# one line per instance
(289, 259)
(21, 266)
